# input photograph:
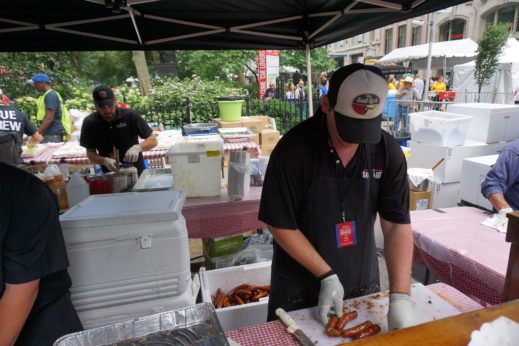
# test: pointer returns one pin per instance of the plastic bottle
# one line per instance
(52, 174)
(77, 189)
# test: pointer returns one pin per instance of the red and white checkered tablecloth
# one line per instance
(249, 146)
(274, 333)
(83, 159)
(461, 252)
(212, 217)
(43, 156)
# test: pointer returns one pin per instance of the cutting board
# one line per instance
(427, 307)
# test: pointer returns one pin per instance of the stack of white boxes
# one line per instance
(491, 128)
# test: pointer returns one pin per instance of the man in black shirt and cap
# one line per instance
(326, 180)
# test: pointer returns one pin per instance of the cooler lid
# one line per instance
(125, 208)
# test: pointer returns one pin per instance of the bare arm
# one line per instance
(49, 117)
(149, 143)
(300, 249)
(15, 305)
(94, 157)
(36, 138)
(400, 94)
(398, 250)
(498, 201)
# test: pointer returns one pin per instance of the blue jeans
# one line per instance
(402, 113)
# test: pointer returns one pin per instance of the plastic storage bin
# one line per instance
(230, 107)
(200, 128)
(439, 128)
(128, 254)
(196, 165)
(238, 316)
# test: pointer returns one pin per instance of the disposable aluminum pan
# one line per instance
(154, 180)
(194, 325)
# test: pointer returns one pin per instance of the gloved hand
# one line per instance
(331, 295)
(132, 155)
(502, 222)
(401, 313)
(110, 164)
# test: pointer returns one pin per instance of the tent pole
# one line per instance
(429, 57)
(309, 81)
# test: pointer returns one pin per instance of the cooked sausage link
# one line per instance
(333, 332)
(374, 329)
(332, 322)
(346, 317)
(351, 332)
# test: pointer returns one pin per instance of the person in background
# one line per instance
(55, 122)
(501, 185)
(515, 95)
(438, 86)
(35, 305)
(300, 90)
(291, 91)
(14, 121)
(407, 94)
(270, 93)
(419, 85)
(391, 84)
(324, 77)
(323, 90)
(110, 128)
(325, 182)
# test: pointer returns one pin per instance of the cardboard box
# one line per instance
(238, 316)
(266, 150)
(256, 139)
(255, 125)
(269, 137)
(265, 121)
(227, 124)
(420, 200)
(222, 246)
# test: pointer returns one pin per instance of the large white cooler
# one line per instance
(439, 128)
(238, 316)
(196, 164)
(128, 254)
(491, 122)
(445, 195)
(449, 171)
(475, 170)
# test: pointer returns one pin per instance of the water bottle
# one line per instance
(77, 189)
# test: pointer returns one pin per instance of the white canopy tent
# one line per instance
(444, 54)
(504, 80)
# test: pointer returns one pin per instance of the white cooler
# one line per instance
(445, 195)
(491, 122)
(475, 170)
(439, 128)
(128, 254)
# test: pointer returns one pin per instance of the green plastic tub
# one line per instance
(230, 107)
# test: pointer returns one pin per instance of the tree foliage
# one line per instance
(297, 59)
(490, 47)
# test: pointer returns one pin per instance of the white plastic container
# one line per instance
(491, 122)
(237, 316)
(128, 254)
(196, 165)
(445, 195)
(439, 128)
(77, 189)
(474, 172)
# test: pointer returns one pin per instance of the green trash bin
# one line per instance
(230, 107)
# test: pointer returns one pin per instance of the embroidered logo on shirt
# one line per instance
(121, 124)
(364, 103)
(377, 173)
(102, 94)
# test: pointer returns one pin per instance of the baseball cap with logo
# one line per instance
(357, 94)
(103, 96)
(40, 77)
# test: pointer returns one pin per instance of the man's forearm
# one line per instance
(498, 201)
(94, 157)
(398, 251)
(15, 305)
(47, 121)
(301, 250)
(149, 143)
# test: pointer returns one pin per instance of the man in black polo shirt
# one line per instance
(113, 128)
(326, 180)
(35, 306)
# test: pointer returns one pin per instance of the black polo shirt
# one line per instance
(122, 132)
(31, 239)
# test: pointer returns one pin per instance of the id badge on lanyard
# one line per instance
(346, 234)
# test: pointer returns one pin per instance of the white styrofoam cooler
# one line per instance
(128, 254)
(449, 171)
(491, 122)
(475, 170)
(445, 195)
(439, 128)
(237, 316)
(196, 165)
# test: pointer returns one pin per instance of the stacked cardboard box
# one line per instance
(220, 252)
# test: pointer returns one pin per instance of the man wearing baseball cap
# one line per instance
(407, 95)
(326, 180)
(116, 128)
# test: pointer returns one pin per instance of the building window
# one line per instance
(340, 44)
(417, 36)
(401, 36)
(359, 39)
(507, 14)
(452, 30)
(389, 41)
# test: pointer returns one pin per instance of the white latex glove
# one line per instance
(502, 222)
(331, 295)
(401, 313)
(132, 155)
(110, 164)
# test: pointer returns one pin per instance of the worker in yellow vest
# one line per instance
(55, 122)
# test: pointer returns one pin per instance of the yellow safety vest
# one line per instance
(40, 115)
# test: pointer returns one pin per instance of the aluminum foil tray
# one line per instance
(194, 325)
(154, 179)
